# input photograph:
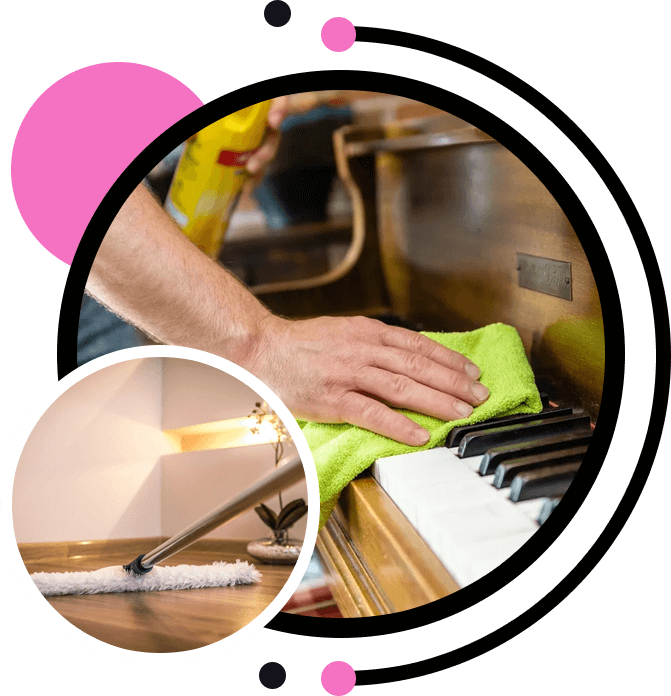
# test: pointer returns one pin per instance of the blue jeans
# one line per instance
(101, 332)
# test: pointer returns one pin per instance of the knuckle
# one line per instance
(417, 364)
(360, 410)
(369, 411)
(457, 383)
(417, 342)
(399, 384)
(336, 406)
(392, 336)
(336, 383)
(363, 378)
(331, 384)
(453, 381)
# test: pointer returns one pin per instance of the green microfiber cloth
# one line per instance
(343, 451)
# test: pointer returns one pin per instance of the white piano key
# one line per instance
(431, 475)
(472, 463)
(470, 525)
(470, 562)
(419, 476)
(445, 497)
(531, 508)
(471, 542)
(419, 468)
(492, 519)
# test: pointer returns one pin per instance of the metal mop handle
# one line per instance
(279, 479)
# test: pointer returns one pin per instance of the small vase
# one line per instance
(280, 550)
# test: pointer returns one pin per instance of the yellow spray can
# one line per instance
(211, 173)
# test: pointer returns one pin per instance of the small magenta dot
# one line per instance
(338, 34)
(338, 678)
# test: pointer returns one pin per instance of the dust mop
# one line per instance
(142, 575)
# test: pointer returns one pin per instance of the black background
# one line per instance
(580, 102)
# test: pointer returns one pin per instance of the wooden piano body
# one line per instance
(450, 232)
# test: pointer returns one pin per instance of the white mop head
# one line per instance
(116, 579)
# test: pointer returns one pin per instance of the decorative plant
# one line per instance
(290, 513)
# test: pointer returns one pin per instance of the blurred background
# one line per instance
(294, 225)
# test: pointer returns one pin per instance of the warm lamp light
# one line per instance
(234, 432)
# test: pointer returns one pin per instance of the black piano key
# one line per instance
(538, 445)
(543, 483)
(480, 441)
(507, 471)
(457, 434)
(549, 505)
(545, 399)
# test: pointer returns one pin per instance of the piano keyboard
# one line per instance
(479, 498)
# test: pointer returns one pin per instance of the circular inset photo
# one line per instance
(160, 504)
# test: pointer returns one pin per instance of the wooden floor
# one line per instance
(166, 621)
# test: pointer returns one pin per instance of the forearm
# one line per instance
(327, 369)
(149, 273)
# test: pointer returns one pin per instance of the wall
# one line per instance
(98, 466)
(90, 469)
(194, 393)
(193, 483)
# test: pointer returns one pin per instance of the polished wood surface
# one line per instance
(377, 562)
(454, 211)
(166, 621)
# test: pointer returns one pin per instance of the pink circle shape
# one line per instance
(338, 678)
(338, 34)
(79, 136)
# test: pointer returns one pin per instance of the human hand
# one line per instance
(268, 148)
(351, 370)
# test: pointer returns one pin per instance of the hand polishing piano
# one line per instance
(452, 232)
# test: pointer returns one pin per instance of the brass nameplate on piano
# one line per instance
(545, 275)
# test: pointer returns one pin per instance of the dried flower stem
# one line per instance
(262, 413)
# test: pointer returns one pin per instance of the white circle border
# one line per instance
(76, 634)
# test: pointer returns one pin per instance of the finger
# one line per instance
(278, 110)
(431, 374)
(264, 154)
(402, 392)
(370, 414)
(416, 343)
